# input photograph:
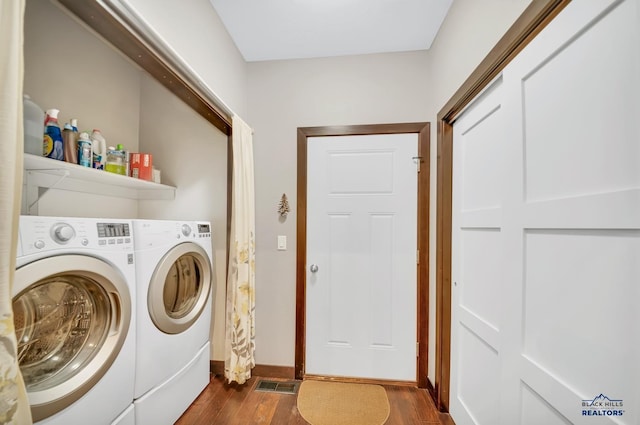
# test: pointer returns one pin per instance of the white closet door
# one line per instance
(545, 323)
(477, 295)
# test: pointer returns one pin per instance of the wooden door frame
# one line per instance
(423, 131)
(534, 18)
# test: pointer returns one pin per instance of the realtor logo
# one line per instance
(601, 405)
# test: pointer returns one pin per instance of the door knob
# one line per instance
(313, 268)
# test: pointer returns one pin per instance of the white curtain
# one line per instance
(14, 405)
(240, 311)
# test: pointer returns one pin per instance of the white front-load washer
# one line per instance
(73, 303)
(174, 274)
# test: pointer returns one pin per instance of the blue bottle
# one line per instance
(52, 142)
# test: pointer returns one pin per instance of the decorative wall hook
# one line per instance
(283, 207)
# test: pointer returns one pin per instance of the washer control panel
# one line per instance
(50, 233)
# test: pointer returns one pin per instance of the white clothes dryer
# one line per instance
(174, 274)
(73, 303)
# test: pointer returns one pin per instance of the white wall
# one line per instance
(284, 95)
(194, 30)
(470, 30)
(192, 156)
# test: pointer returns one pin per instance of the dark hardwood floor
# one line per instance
(224, 404)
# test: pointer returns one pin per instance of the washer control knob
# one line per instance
(186, 229)
(84, 241)
(62, 233)
(39, 244)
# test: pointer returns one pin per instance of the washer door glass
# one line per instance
(61, 322)
(180, 288)
(72, 314)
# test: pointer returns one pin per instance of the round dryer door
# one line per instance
(71, 316)
(179, 288)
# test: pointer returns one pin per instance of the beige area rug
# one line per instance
(336, 403)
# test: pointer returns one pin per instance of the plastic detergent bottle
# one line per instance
(85, 154)
(99, 145)
(74, 124)
(33, 126)
(52, 143)
(116, 160)
(70, 144)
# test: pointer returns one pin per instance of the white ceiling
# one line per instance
(292, 29)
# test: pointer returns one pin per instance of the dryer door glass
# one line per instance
(61, 322)
(182, 286)
(179, 288)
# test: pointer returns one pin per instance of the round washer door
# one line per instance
(71, 315)
(179, 288)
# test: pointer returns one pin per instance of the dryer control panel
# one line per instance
(204, 230)
(193, 230)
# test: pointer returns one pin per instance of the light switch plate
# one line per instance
(282, 243)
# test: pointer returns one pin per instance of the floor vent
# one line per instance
(282, 387)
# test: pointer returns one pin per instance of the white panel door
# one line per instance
(477, 260)
(547, 239)
(361, 235)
